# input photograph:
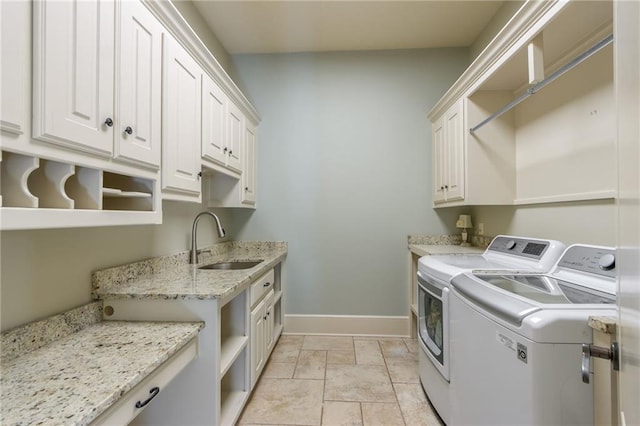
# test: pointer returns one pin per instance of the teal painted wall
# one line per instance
(344, 170)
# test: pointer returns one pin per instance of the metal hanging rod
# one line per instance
(553, 76)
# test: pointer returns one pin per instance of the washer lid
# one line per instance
(547, 290)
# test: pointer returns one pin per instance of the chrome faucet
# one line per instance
(193, 258)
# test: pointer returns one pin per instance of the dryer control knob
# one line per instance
(510, 244)
(607, 262)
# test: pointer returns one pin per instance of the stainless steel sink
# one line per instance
(233, 265)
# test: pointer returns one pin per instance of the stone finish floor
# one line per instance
(340, 380)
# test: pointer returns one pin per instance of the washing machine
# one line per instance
(517, 341)
(519, 255)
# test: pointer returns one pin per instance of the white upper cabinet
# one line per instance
(536, 112)
(214, 122)
(448, 156)
(181, 130)
(221, 130)
(15, 77)
(139, 93)
(74, 74)
(235, 120)
(81, 65)
(249, 172)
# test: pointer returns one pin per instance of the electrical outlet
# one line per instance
(481, 229)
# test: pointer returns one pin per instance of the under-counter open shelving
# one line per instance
(40, 193)
(234, 357)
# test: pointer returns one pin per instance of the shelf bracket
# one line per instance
(552, 77)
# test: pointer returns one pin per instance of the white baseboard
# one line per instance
(353, 325)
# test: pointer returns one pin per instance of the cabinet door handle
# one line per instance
(128, 130)
(154, 391)
(246, 188)
(108, 122)
(446, 187)
(230, 152)
(225, 150)
(266, 284)
(264, 317)
(442, 188)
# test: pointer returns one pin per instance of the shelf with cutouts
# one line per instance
(41, 193)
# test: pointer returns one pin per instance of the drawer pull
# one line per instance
(266, 284)
(154, 391)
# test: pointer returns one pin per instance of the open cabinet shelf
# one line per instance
(538, 111)
(39, 193)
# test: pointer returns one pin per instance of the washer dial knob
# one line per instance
(607, 262)
(510, 245)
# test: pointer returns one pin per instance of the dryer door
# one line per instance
(433, 322)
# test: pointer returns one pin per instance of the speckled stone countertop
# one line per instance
(424, 245)
(172, 277)
(74, 378)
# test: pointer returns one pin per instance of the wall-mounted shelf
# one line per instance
(535, 88)
(39, 193)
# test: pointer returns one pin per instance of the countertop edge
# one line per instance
(47, 354)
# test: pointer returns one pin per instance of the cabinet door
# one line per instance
(249, 177)
(181, 123)
(15, 74)
(235, 121)
(438, 161)
(138, 125)
(454, 153)
(269, 326)
(214, 121)
(73, 70)
(257, 341)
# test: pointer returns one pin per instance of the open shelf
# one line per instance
(234, 388)
(231, 348)
(39, 193)
(231, 404)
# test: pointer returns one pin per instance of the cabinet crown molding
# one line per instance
(527, 19)
(175, 23)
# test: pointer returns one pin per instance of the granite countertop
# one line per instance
(425, 245)
(426, 250)
(172, 277)
(74, 378)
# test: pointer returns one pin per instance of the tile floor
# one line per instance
(340, 380)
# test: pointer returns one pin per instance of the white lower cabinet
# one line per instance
(214, 388)
(261, 335)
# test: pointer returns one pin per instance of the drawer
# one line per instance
(261, 286)
(124, 410)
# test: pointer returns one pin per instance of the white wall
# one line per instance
(46, 272)
(344, 170)
(591, 222)
(502, 16)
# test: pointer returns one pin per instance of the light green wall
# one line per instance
(344, 170)
(46, 272)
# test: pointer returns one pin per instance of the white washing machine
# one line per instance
(505, 253)
(516, 341)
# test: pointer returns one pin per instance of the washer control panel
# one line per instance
(524, 247)
(593, 259)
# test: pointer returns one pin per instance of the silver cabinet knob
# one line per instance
(128, 130)
(108, 122)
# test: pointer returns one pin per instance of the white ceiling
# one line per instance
(268, 26)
